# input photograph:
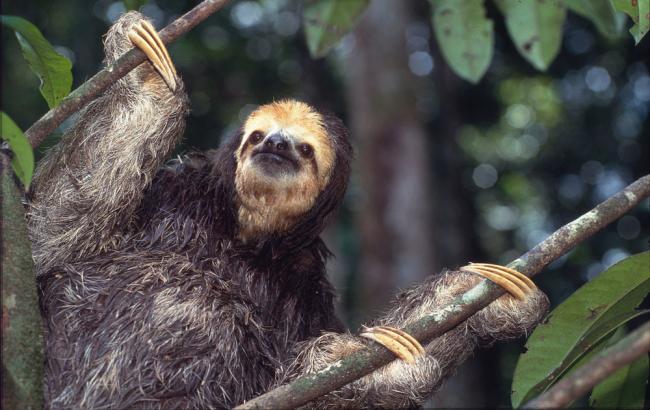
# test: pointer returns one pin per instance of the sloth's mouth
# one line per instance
(274, 161)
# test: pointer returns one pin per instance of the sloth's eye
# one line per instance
(306, 150)
(255, 137)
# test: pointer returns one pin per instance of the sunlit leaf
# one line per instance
(578, 324)
(625, 389)
(535, 27)
(465, 36)
(600, 12)
(23, 160)
(52, 68)
(327, 21)
(639, 12)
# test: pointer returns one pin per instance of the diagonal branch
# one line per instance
(350, 368)
(89, 90)
(574, 386)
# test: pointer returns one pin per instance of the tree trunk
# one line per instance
(414, 218)
(394, 215)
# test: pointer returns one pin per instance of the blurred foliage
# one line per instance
(539, 149)
(536, 28)
(639, 12)
(624, 389)
(465, 36)
(600, 12)
(327, 21)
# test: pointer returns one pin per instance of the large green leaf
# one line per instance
(639, 11)
(327, 21)
(23, 160)
(465, 36)
(580, 323)
(535, 27)
(600, 12)
(625, 389)
(54, 70)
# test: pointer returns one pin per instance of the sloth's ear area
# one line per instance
(223, 174)
(331, 198)
(340, 175)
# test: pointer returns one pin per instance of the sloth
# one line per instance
(201, 282)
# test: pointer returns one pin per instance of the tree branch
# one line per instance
(572, 387)
(22, 341)
(352, 367)
(87, 91)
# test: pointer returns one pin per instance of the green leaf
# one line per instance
(465, 36)
(625, 389)
(580, 323)
(54, 70)
(23, 161)
(327, 21)
(535, 26)
(134, 4)
(639, 11)
(600, 12)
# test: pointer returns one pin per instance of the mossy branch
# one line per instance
(89, 90)
(357, 365)
(576, 385)
(22, 342)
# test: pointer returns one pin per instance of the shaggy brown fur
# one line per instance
(152, 300)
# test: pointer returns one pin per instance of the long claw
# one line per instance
(167, 59)
(516, 273)
(144, 37)
(516, 283)
(397, 341)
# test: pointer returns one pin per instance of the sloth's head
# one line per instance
(288, 159)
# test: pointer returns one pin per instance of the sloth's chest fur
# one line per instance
(172, 324)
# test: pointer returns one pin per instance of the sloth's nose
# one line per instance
(276, 142)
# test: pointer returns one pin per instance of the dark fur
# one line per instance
(149, 300)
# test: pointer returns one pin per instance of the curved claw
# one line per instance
(403, 345)
(516, 283)
(145, 37)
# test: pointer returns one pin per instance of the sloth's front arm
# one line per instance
(89, 185)
(404, 384)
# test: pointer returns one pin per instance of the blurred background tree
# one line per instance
(446, 172)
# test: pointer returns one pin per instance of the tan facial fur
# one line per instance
(274, 203)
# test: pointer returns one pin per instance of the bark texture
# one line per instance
(22, 343)
(392, 159)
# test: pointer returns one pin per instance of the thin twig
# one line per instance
(362, 362)
(89, 90)
(574, 386)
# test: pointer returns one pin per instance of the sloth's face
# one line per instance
(284, 162)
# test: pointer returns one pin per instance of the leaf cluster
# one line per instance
(466, 35)
(590, 320)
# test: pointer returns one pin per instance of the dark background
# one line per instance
(446, 171)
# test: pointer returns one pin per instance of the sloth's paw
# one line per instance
(144, 36)
(515, 283)
(513, 314)
(403, 345)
